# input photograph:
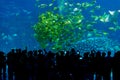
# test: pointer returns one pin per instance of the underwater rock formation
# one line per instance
(98, 44)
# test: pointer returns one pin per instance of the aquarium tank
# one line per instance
(56, 25)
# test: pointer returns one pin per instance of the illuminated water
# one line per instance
(18, 16)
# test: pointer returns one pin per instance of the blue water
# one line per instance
(18, 16)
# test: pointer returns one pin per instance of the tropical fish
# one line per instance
(119, 11)
(86, 5)
(111, 12)
(55, 8)
(114, 12)
(75, 9)
(51, 4)
(17, 14)
(26, 11)
(15, 35)
(98, 34)
(95, 17)
(70, 5)
(42, 5)
(112, 28)
(113, 16)
(92, 11)
(66, 4)
(78, 4)
(8, 37)
(98, 7)
(105, 18)
(89, 35)
(105, 33)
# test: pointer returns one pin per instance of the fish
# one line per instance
(114, 12)
(86, 5)
(55, 8)
(78, 4)
(42, 5)
(95, 17)
(26, 11)
(79, 21)
(117, 48)
(51, 4)
(89, 35)
(92, 11)
(111, 12)
(98, 35)
(119, 11)
(75, 9)
(98, 7)
(105, 33)
(8, 36)
(17, 14)
(105, 18)
(112, 28)
(113, 16)
(15, 35)
(70, 5)
(66, 4)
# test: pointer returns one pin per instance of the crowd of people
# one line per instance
(62, 65)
